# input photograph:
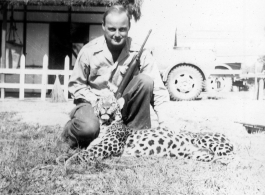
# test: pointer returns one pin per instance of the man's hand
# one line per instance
(121, 102)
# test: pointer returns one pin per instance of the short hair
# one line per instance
(117, 9)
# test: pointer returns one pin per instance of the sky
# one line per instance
(231, 28)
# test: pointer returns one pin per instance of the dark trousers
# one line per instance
(83, 126)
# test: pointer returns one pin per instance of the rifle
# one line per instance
(252, 127)
(131, 69)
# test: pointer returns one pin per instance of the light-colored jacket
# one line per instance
(94, 69)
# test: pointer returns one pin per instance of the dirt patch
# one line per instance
(34, 111)
(219, 109)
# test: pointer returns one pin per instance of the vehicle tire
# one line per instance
(219, 84)
(184, 83)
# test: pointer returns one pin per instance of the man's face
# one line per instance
(116, 30)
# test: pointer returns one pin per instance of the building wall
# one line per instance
(38, 34)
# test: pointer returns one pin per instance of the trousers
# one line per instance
(83, 126)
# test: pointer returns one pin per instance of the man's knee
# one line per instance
(83, 127)
(145, 81)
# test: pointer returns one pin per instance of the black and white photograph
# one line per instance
(132, 97)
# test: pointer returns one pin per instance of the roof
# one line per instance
(134, 6)
(70, 2)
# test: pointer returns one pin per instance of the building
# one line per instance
(57, 28)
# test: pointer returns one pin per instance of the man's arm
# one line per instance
(78, 86)
(161, 95)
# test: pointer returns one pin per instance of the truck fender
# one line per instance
(223, 66)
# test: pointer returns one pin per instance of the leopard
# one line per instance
(120, 140)
(107, 109)
(199, 146)
(123, 141)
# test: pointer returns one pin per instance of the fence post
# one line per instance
(44, 77)
(22, 78)
(256, 83)
(66, 76)
(261, 89)
(2, 80)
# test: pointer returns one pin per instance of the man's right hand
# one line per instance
(121, 102)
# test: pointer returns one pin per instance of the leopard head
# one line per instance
(107, 109)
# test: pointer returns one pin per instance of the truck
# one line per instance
(186, 72)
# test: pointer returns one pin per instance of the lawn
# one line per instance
(28, 166)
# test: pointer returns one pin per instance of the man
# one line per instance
(101, 65)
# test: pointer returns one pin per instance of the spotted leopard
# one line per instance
(160, 142)
(119, 140)
(123, 141)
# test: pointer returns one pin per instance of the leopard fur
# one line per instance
(160, 142)
(123, 141)
(119, 140)
(112, 144)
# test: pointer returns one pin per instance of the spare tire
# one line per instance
(184, 82)
(219, 84)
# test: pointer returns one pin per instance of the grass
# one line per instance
(28, 166)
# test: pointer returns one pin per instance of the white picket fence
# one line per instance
(44, 72)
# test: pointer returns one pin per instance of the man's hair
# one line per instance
(117, 9)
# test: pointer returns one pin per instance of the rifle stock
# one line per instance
(131, 69)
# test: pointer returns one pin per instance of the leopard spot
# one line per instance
(145, 148)
(172, 155)
(185, 155)
(161, 141)
(170, 143)
(181, 153)
(155, 135)
(138, 137)
(151, 142)
(158, 149)
(177, 139)
(151, 152)
(187, 140)
(182, 143)
(137, 152)
(100, 150)
(144, 139)
(174, 146)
